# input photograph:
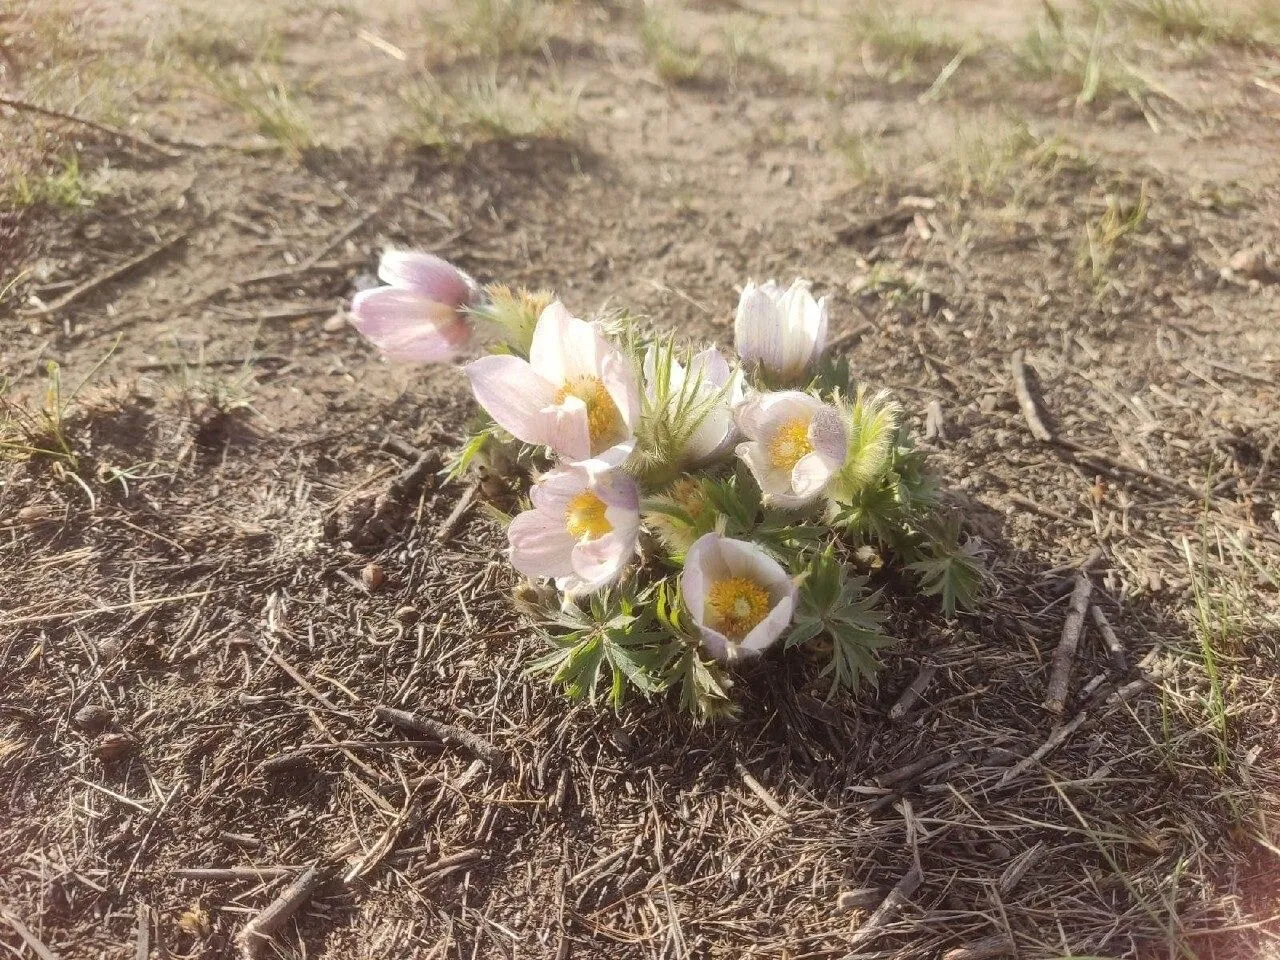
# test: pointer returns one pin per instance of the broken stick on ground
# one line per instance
(1064, 656)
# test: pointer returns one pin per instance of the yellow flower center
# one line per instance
(604, 420)
(736, 605)
(585, 519)
(790, 443)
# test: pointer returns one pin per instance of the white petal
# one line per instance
(598, 562)
(513, 394)
(819, 332)
(540, 547)
(788, 406)
(567, 430)
(711, 367)
(809, 476)
(743, 559)
(619, 379)
(767, 632)
(758, 331)
(772, 482)
(614, 456)
(702, 567)
(716, 643)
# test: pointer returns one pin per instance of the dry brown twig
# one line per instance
(1032, 411)
(115, 273)
(1065, 655)
(27, 107)
(444, 732)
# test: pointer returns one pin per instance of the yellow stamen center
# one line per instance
(735, 606)
(585, 519)
(790, 443)
(604, 420)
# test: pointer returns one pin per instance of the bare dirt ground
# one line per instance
(193, 644)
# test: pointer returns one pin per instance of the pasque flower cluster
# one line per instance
(632, 438)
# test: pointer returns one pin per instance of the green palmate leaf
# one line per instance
(951, 570)
(616, 640)
(834, 608)
(702, 684)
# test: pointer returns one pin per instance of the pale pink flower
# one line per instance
(740, 597)
(795, 443)
(576, 393)
(582, 529)
(784, 332)
(420, 315)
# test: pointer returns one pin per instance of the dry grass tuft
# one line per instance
(1104, 236)
(65, 187)
(483, 110)
(501, 28)
(675, 60)
(1084, 59)
(268, 102)
(900, 41)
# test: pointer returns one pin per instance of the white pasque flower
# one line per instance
(795, 443)
(739, 596)
(582, 530)
(784, 331)
(708, 390)
(576, 393)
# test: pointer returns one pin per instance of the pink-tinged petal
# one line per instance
(426, 274)
(769, 630)
(829, 438)
(540, 547)
(564, 346)
(555, 488)
(809, 476)
(618, 490)
(598, 562)
(619, 379)
(408, 327)
(758, 330)
(567, 430)
(513, 395)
